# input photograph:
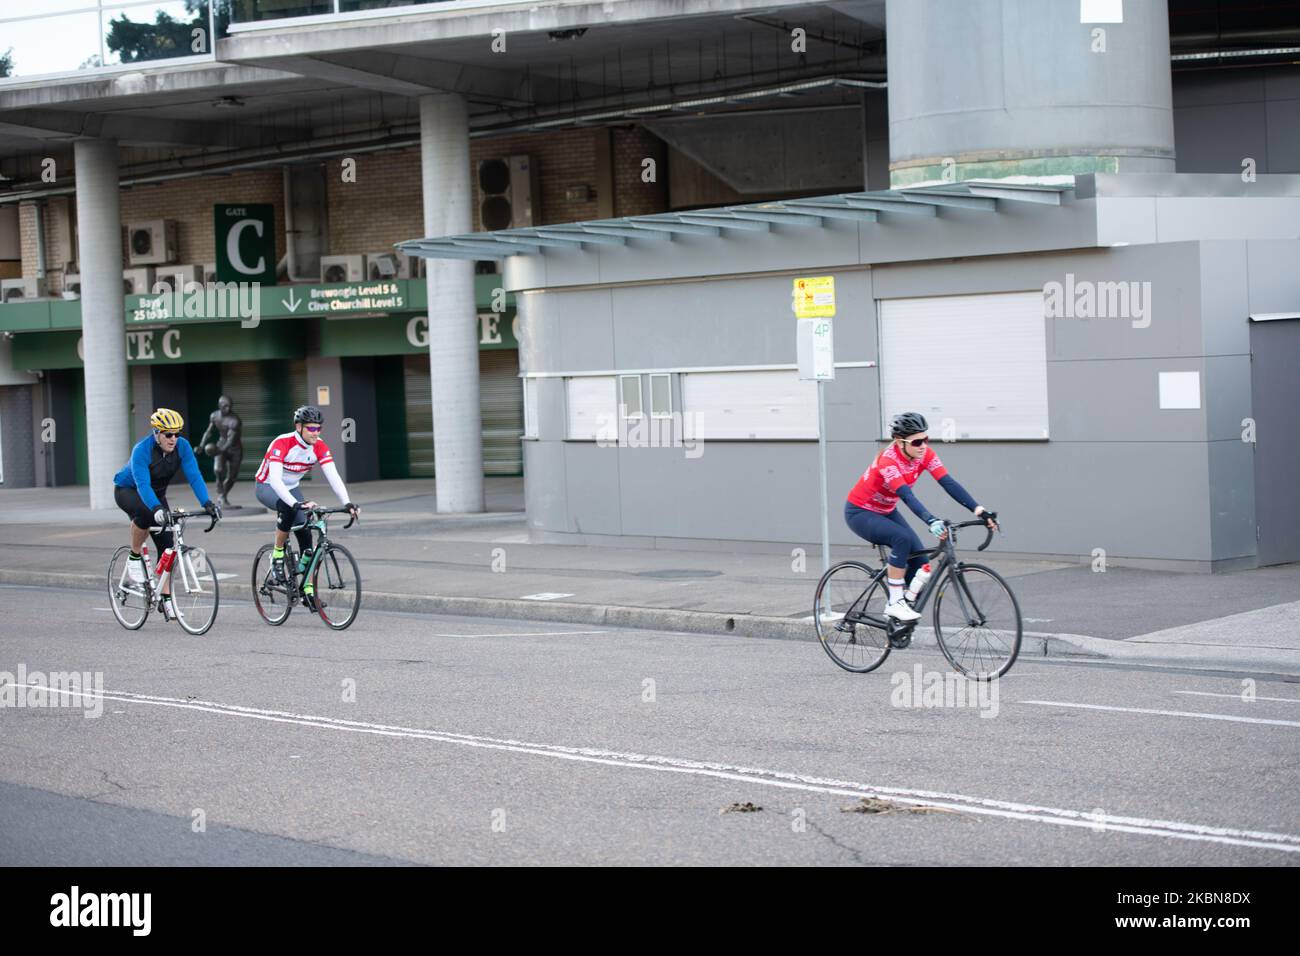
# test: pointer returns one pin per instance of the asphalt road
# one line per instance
(431, 740)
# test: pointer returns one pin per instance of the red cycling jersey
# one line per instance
(877, 489)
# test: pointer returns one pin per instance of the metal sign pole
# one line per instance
(821, 455)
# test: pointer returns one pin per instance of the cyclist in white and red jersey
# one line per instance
(287, 459)
(872, 507)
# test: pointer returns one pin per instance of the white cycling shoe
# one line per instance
(901, 611)
(135, 571)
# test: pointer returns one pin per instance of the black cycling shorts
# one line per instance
(141, 515)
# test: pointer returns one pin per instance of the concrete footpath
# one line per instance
(412, 559)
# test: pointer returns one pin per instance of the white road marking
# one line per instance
(980, 806)
(1206, 693)
(1166, 713)
(544, 596)
(521, 634)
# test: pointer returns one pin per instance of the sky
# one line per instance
(60, 43)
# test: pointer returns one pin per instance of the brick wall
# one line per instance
(632, 196)
(60, 213)
(190, 202)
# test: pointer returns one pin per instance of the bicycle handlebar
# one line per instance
(988, 538)
(176, 517)
(335, 511)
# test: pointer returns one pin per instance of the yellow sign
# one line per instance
(814, 297)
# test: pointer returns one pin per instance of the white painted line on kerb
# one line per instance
(1166, 713)
(1206, 693)
(1056, 816)
(545, 596)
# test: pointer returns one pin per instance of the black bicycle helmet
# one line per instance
(309, 414)
(907, 423)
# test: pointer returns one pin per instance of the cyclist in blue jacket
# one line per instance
(140, 489)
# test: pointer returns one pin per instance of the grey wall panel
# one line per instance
(853, 404)
(1274, 273)
(749, 491)
(1227, 396)
(1220, 87)
(1101, 400)
(1232, 499)
(1283, 124)
(592, 485)
(1225, 282)
(566, 331)
(551, 415)
(545, 491)
(1216, 139)
(1181, 218)
(1130, 219)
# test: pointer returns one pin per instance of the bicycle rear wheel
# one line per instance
(977, 622)
(195, 590)
(274, 601)
(337, 587)
(845, 592)
(129, 601)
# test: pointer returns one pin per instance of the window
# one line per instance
(974, 365)
(661, 395)
(755, 405)
(530, 408)
(629, 396)
(591, 407)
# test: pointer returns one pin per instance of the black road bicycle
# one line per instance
(331, 571)
(976, 616)
(194, 589)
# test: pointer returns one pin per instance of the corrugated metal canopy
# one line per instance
(980, 195)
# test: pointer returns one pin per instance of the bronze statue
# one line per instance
(228, 451)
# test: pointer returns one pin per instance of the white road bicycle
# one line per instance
(194, 588)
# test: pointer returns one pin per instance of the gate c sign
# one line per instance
(245, 237)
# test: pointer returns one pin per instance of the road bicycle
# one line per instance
(976, 619)
(195, 592)
(331, 570)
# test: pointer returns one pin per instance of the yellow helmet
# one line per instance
(166, 420)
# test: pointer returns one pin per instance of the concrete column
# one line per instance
(103, 321)
(997, 88)
(453, 323)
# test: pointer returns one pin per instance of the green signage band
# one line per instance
(245, 235)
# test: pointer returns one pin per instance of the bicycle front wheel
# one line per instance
(845, 593)
(273, 600)
(977, 622)
(336, 586)
(128, 600)
(195, 591)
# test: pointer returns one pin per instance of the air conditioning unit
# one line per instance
(152, 242)
(191, 272)
(342, 268)
(20, 290)
(387, 265)
(71, 285)
(507, 190)
(137, 281)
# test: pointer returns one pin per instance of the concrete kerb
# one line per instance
(1033, 644)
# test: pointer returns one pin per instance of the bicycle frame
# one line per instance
(318, 526)
(153, 590)
(946, 555)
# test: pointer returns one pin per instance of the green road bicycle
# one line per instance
(194, 588)
(977, 620)
(329, 583)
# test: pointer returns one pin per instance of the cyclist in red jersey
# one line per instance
(872, 506)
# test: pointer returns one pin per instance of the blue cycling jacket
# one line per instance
(150, 471)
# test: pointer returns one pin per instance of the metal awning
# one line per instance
(977, 195)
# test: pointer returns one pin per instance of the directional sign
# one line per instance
(813, 297)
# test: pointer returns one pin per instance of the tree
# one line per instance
(166, 37)
(7, 62)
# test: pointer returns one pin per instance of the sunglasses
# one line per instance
(312, 428)
(918, 442)
(170, 434)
